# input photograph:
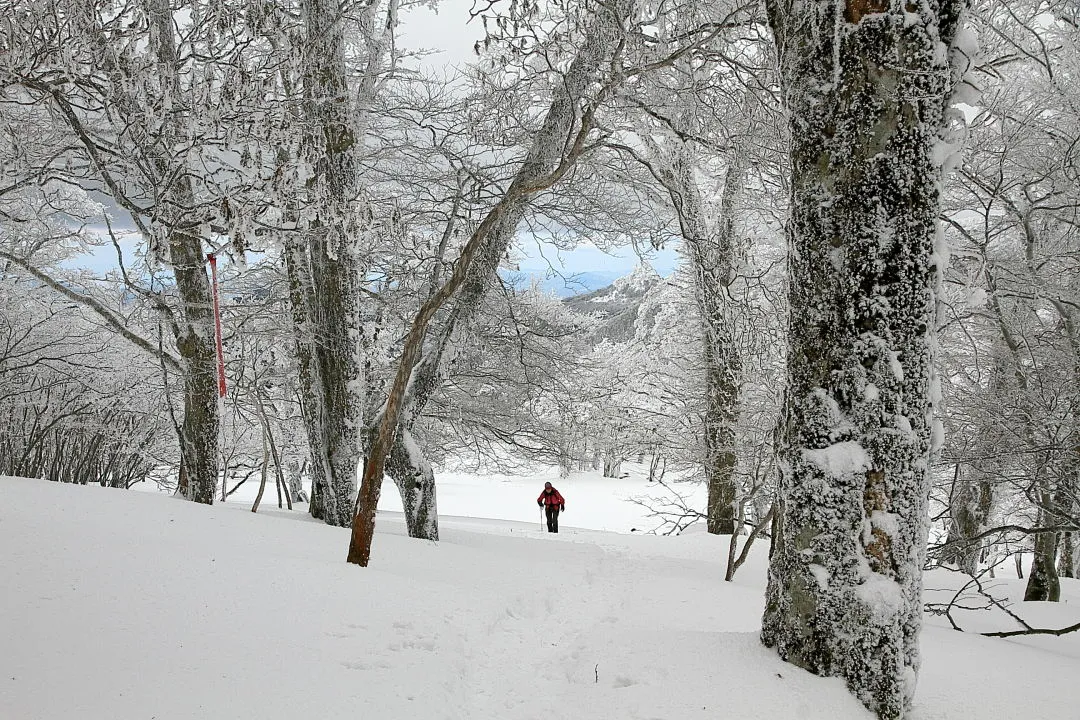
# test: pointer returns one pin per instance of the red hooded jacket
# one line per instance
(554, 498)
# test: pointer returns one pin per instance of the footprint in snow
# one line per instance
(427, 644)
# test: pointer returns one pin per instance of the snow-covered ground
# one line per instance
(119, 605)
(593, 502)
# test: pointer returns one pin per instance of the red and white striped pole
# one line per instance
(217, 325)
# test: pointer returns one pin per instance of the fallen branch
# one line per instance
(1034, 631)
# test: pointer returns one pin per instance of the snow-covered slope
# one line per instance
(616, 306)
(593, 502)
(118, 605)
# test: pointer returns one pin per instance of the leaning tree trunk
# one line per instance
(555, 148)
(866, 87)
(414, 479)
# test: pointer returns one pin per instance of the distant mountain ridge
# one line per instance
(617, 305)
(564, 286)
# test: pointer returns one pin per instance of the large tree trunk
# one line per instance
(1043, 584)
(324, 270)
(969, 509)
(195, 331)
(866, 87)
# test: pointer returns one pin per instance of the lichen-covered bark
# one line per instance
(866, 88)
(324, 269)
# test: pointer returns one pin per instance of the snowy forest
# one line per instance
(265, 254)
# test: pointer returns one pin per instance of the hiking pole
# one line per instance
(541, 518)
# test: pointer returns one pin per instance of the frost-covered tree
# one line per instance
(555, 71)
(74, 408)
(1011, 350)
(867, 87)
(324, 245)
(712, 140)
(137, 99)
(512, 393)
(560, 139)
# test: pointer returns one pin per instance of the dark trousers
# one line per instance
(552, 512)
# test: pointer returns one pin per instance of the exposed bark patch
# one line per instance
(854, 10)
(879, 549)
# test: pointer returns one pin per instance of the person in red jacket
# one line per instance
(553, 504)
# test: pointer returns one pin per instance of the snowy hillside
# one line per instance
(617, 305)
(131, 605)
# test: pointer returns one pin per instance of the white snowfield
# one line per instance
(118, 605)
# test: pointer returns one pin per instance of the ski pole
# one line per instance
(541, 518)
